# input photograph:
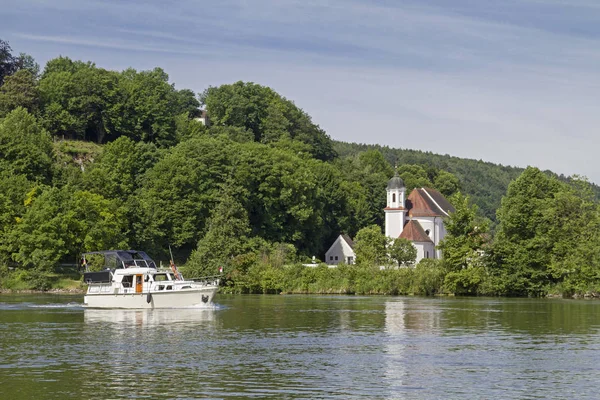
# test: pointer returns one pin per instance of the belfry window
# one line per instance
(393, 197)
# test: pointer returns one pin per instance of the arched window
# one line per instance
(393, 197)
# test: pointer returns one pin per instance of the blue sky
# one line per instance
(511, 82)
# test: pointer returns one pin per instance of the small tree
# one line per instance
(403, 252)
(371, 246)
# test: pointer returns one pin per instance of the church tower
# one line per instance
(395, 212)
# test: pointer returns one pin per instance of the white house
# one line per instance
(342, 250)
(203, 118)
(419, 218)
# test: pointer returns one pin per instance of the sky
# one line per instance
(514, 82)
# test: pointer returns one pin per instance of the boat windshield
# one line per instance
(135, 259)
(114, 259)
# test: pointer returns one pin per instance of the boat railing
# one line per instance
(139, 264)
(207, 279)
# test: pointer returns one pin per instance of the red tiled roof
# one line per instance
(414, 232)
(425, 202)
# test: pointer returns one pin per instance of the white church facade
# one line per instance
(418, 218)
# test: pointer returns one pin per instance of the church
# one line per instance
(418, 218)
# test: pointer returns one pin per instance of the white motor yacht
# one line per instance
(131, 279)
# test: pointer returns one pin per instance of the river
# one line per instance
(302, 347)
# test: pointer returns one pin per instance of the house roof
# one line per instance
(348, 240)
(414, 232)
(425, 202)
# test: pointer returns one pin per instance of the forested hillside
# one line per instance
(484, 182)
(94, 159)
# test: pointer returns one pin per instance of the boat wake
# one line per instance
(57, 305)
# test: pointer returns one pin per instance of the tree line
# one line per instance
(93, 159)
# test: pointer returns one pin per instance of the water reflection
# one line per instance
(338, 347)
(178, 318)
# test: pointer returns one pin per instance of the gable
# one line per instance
(425, 202)
(414, 232)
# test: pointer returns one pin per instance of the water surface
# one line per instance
(301, 347)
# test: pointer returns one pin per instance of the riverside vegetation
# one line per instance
(95, 159)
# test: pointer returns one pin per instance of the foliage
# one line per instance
(226, 238)
(428, 277)
(466, 235)
(25, 148)
(78, 99)
(259, 189)
(8, 62)
(266, 114)
(402, 251)
(371, 247)
(19, 90)
(59, 224)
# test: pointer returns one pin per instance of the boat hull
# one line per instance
(150, 300)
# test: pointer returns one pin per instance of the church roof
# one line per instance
(396, 182)
(425, 202)
(414, 232)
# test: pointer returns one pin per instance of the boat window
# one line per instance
(169, 287)
(160, 277)
(110, 261)
(127, 281)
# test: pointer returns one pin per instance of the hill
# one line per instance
(484, 182)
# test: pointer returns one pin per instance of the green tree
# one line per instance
(446, 183)
(414, 176)
(60, 223)
(79, 99)
(13, 199)
(226, 238)
(19, 90)
(523, 246)
(118, 172)
(179, 192)
(403, 252)
(466, 235)
(266, 114)
(25, 148)
(371, 247)
(147, 107)
(8, 62)
(575, 233)
(27, 63)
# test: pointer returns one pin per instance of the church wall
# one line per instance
(424, 250)
(394, 223)
(437, 231)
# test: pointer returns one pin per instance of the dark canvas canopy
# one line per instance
(114, 259)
